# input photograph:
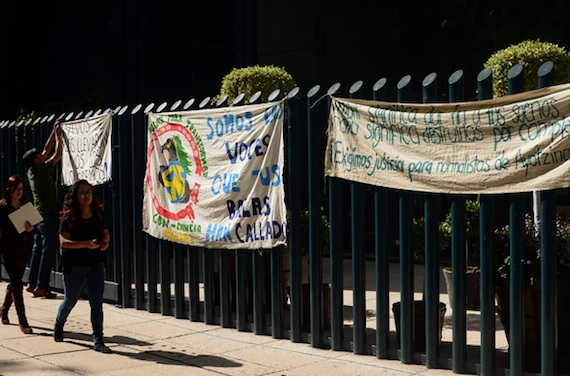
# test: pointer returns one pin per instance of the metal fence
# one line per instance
(263, 292)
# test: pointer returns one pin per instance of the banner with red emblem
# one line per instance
(214, 177)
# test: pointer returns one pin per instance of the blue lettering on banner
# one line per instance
(259, 231)
(273, 113)
(245, 152)
(218, 233)
(229, 124)
(268, 176)
(225, 183)
(257, 207)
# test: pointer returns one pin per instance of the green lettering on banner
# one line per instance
(510, 144)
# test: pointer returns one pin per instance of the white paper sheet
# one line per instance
(26, 212)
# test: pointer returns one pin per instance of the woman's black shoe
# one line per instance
(58, 333)
(100, 346)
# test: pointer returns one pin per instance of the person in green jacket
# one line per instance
(46, 241)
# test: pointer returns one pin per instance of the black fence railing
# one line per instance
(277, 293)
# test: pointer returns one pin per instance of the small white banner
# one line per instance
(517, 143)
(214, 177)
(87, 150)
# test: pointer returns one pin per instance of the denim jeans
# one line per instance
(73, 281)
(44, 251)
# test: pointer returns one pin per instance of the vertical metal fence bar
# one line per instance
(150, 259)
(336, 263)
(125, 220)
(381, 252)
(487, 252)
(382, 270)
(488, 274)
(548, 264)
(209, 289)
(516, 220)
(152, 274)
(194, 283)
(12, 150)
(336, 254)
(19, 129)
(179, 299)
(258, 309)
(115, 207)
(358, 270)
(138, 144)
(165, 253)
(458, 257)
(277, 290)
(4, 142)
(429, 94)
(358, 262)
(516, 305)
(548, 314)
(432, 306)
(241, 293)
(406, 256)
(458, 265)
(224, 293)
(315, 243)
(295, 268)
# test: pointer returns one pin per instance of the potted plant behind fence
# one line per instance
(531, 266)
(418, 249)
(473, 273)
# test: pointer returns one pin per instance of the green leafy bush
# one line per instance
(531, 259)
(531, 54)
(418, 237)
(325, 232)
(250, 80)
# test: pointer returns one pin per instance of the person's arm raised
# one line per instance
(58, 144)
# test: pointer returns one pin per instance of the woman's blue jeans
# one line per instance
(73, 281)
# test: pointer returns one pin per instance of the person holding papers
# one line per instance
(84, 238)
(14, 251)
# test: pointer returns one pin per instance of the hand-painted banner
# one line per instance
(87, 150)
(214, 177)
(518, 143)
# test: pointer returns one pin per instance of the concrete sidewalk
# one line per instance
(152, 344)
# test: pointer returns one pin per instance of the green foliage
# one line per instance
(325, 232)
(444, 233)
(531, 54)
(530, 260)
(250, 80)
(182, 155)
(471, 229)
(418, 237)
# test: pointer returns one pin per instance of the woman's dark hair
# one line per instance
(71, 209)
(11, 185)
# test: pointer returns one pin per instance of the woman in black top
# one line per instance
(14, 251)
(84, 238)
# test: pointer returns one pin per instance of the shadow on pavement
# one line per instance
(151, 355)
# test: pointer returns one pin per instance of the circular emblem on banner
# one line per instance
(173, 158)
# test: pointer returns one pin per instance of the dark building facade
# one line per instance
(116, 52)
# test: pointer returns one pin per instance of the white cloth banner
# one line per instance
(87, 150)
(517, 143)
(214, 177)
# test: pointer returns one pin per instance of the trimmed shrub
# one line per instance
(531, 54)
(250, 80)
